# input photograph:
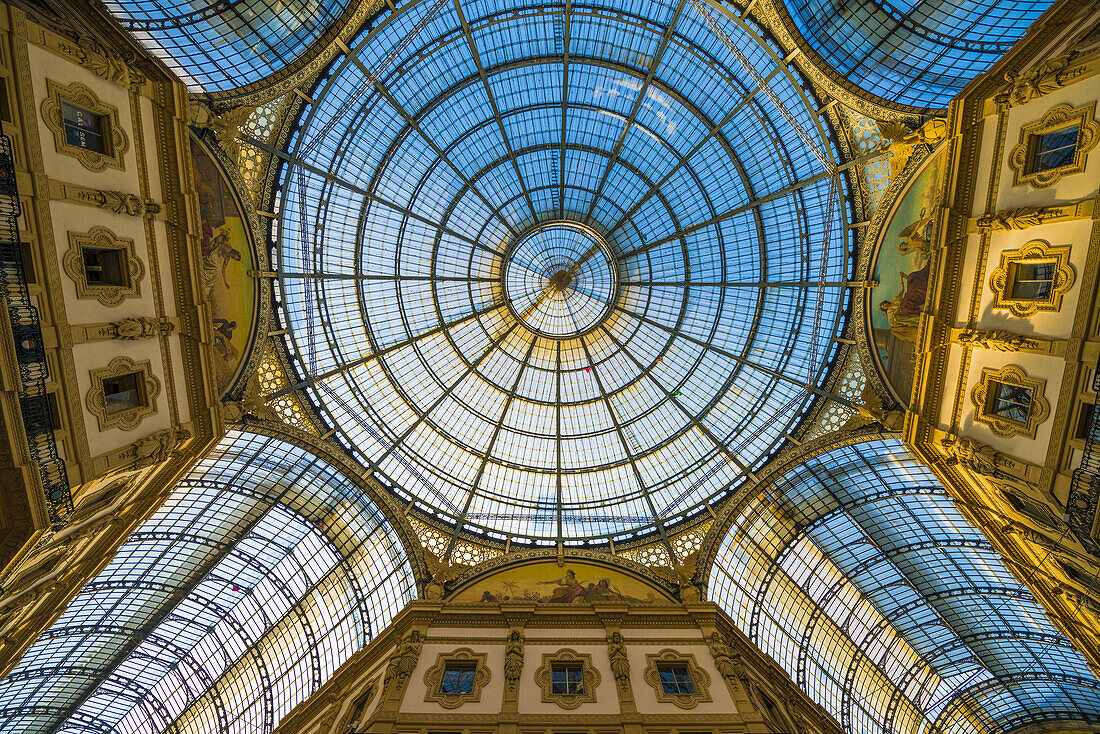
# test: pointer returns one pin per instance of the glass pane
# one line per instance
(83, 129)
(1010, 401)
(1055, 149)
(675, 679)
(457, 679)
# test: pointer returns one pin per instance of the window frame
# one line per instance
(1021, 158)
(985, 394)
(115, 141)
(699, 678)
(567, 657)
(1036, 252)
(434, 678)
(130, 417)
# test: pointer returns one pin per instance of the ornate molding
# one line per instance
(1056, 118)
(114, 135)
(159, 447)
(119, 202)
(1039, 81)
(590, 678)
(434, 677)
(104, 239)
(128, 419)
(1001, 283)
(999, 340)
(699, 679)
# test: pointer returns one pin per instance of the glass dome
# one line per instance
(919, 54)
(559, 273)
(226, 44)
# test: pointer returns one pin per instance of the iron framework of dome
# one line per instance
(560, 272)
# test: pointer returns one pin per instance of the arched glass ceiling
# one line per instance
(857, 573)
(262, 573)
(218, 45)
(559, 271)
(913, 52)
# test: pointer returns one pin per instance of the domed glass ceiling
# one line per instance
(559, 272)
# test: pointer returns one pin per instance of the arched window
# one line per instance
(913, 53)
(218, 45)
(264, 571)
(857, 573)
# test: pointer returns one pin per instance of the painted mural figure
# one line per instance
(903, 310)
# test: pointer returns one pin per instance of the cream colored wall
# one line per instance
(1069, 188)
(156, 285)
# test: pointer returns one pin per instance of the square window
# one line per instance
(566, 679)
(1009, 401)
(84, 129)
(104, 266)
(1054, 149)
(457, 678)
(1033, 281)
(124, 392)
(676, 679)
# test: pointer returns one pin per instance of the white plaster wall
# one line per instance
(530, 692)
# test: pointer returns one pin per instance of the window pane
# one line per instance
(1055, 149)
(122, 393)
(675, 679)
(457, 678)
(83, 129)
(1033, 281)
(1011, 401)
(566, 679)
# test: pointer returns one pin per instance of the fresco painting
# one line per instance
(226, 261)
(901, 268)
(573, 583)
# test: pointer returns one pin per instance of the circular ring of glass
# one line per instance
(394, 250)
(560, 279)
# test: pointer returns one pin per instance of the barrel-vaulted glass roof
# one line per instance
(264, 571)
(219, 45)
(560, 271)
(913, 52)
(858, 574)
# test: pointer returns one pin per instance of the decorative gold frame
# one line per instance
(1064, 277)
(81, 96)
(589, 675)
(73, 262)
(1058, 117)
(434, 676)
(1010, 375)
(125, 419)
(699, 679)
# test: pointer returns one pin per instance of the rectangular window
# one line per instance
(457, 678)
(123, 392)
(1054, 149)
(55, 411)
(1033, 281)
(27, 256)
(566, 679)
(84, 129)
(1084, 421)
(105, 266)
(676, 679)
(1037, 511)
(1009, 401)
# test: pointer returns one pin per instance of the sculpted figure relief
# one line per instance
(974, 455)
(141, 327)
(620, 666)
(158, 447)
(403, 662)
(1014, 219)
(1000, 340)
(513, 659)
